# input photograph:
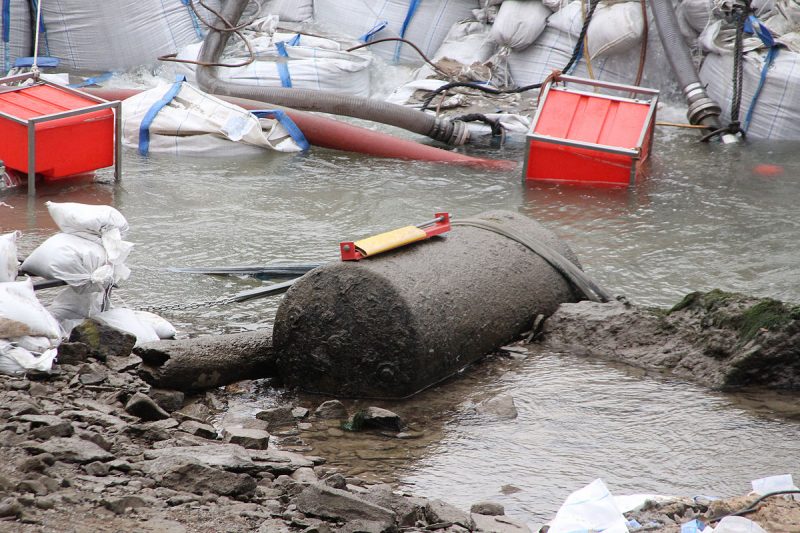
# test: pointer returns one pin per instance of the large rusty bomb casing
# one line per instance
(391, 325)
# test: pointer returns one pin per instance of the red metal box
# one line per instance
(73, 144)
(590, 138)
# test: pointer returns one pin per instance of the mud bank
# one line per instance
(726, 341)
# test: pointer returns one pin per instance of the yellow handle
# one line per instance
(390, 240)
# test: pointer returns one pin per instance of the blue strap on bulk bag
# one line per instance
(379, 26)
(294, 132)
(150, 116)
(412, 8)
(754, 26)
(94, 80)
(283, 68)
(193, 16)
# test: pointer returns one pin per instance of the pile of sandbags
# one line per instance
(423, 22)
(89, 256)
(16, 36)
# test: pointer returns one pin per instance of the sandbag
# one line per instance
(426, 25)
(8, 256)
(81, 263)
(35, 345)
(286, 10)
(693, 16)
(15, 360)
(16, 35)
(127, 321)
(466, 43)
(519, 23)
(303, 62)
(160, 325)
(776, 114)
(116, 34)
(194, 122)
(21, 314)
(614, 28)
(86, 220)
(71, 305)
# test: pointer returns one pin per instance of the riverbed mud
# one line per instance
(723, 340)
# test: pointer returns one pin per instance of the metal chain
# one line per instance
(188, 306)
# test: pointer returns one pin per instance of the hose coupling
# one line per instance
(702, 109)
(452, 132)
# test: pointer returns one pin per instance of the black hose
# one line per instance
(569, 270)
(702, 110)
(310, 100)
(753, 506)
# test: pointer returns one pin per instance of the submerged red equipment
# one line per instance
(590, 138)
(56, 131)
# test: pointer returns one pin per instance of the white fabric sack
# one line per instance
(21, 314)
(8, 256)
(556, 5)
(427, 27)
(127, 321)
(467, 43)
(591, 508)
(86, 220)
(160, 325)
(115, 34)
(314, 63)
(614, 28)
(70, 304)
(36, 345)
(15, 360)
(693, 16)
(81, 263)
(776, 115)
(194, 122)
(287, 10)
(519, 23)
(20, 40)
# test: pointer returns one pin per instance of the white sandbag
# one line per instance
(160, 325)
(116, 34)
(312, 63)
(776, 115)
(519, 23)
(467, 42)
(427, 25)
(36, 345)
(81, 263)
(127, 321)
(614, 28)
(193, 122)
(15, 33)
(70, 304)
(15, 360)
(8, 256)
(21, 314)
(86, 220)
(693, 16)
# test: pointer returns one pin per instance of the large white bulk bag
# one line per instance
(309, 64)
(8, 256)
(16, 35)
(286, 10)
(116, 34)
(189, 121)
(22, 315)
(519, 23)
(423, 22)
(776, 115)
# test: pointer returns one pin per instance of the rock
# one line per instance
(32, 485)
(362, 526)
(225, 456)
(120, 505)
(97, 469)
(337, 481)
(438, 511)
(37, 463)
(10, 507)
(91, 378)
(278, 416)
(62, 429)
(498, 524)
(69, 450)
(193, 411)
(376, 418)
(97, 438)
(39, 390)
(488, 508)
(72, 353)
(501, 407)
(332, 409)
(305, 475)
(123, 364)
(299, 412)
(168, 400)
(254, 439)
(326, 502)
(145, 408)
(198, 429)
(103, 341)
(409, 509)
(199, 478)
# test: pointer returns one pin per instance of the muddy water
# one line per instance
(702, 219)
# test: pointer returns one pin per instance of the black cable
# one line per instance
(576, 52)
(496, 125)
(752, 507)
